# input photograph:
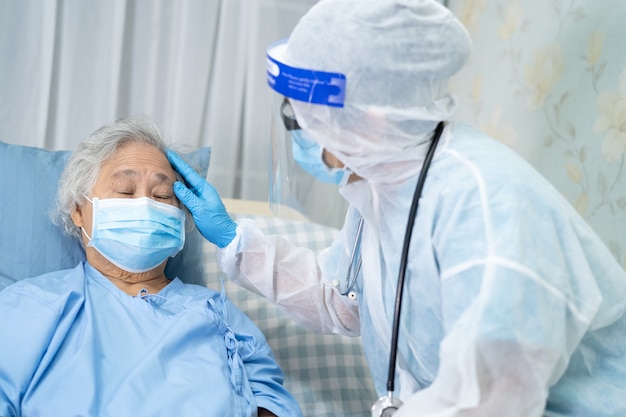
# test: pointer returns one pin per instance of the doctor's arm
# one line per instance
(512, 342)
(270, 266)
(290, 277)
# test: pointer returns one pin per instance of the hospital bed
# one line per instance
(327, 374)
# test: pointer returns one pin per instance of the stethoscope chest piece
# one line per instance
(386, 406)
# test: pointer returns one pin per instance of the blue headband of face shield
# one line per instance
(317, 87)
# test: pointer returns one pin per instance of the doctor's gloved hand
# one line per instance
(204, 203)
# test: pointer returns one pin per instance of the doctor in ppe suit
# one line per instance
(512, 306)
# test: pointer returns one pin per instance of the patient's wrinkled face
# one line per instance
(135, 170)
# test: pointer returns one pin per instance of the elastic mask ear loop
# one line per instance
(82, 228)
(346, 172)
(346, 176)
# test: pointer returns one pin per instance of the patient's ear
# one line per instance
(77, 216)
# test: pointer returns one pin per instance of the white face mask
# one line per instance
(136, 234)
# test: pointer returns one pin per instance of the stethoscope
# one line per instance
(387, 405)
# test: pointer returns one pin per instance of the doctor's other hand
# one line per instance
(204, 203)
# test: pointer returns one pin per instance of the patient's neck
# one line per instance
(131, 283)
(149, 286)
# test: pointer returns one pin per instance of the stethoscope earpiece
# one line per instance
(386, 406)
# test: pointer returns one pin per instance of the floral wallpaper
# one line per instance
(548, 78)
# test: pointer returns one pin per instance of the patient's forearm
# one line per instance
(265, 413)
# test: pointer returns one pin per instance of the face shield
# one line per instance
(301, 185)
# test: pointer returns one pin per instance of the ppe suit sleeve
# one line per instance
(289, 277)
(501, 356)
(264, 374)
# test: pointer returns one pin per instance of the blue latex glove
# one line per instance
(204, 203)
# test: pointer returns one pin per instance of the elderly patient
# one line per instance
(114, 336)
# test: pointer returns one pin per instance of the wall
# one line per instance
(548, 78)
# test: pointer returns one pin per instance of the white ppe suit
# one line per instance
(512, 305)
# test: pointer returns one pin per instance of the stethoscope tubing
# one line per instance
(357, 241)
(405, 254)
(386, 405)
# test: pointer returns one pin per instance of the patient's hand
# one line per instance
(265, 413)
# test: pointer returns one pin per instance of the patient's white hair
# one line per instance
(83, 166)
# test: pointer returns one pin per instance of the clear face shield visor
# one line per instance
(301, 187)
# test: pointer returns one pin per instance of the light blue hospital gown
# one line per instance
(73, 344)
(512, 307)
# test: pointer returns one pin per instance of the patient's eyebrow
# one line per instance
(131, 173)
(125, 173)
(164, 178)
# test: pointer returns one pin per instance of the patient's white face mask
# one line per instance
(136, 234)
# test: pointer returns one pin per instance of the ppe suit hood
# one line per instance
(397, 58)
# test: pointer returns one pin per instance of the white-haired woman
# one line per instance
(114, 336)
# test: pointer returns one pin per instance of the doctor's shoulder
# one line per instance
(477, 154)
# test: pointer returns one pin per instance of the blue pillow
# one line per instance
(30, 244)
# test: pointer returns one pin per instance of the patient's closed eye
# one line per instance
(125, 192)
(163, 197)
(162, 191)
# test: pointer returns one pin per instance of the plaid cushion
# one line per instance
(327, 374)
